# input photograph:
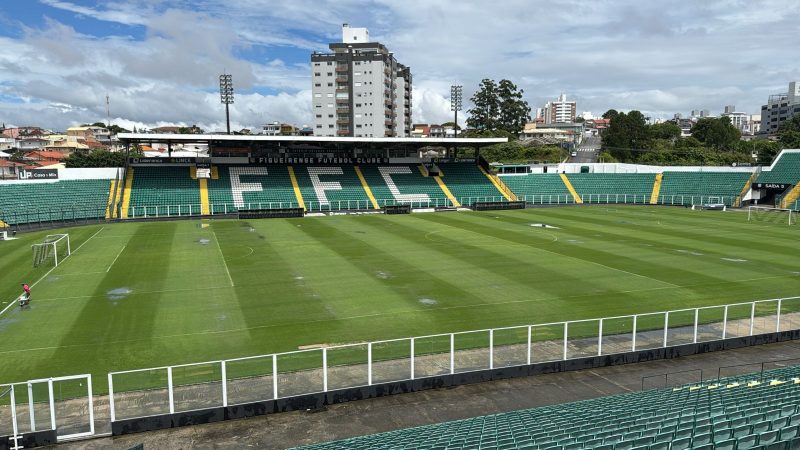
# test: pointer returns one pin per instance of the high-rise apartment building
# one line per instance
(780, 108)
(738, 119)
(360, 89)
(559, 111)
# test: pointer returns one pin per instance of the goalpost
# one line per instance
(771, 215)
(54, 249)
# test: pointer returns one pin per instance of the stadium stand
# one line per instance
(326, 188)
(785, 169)
(686, 188)
(251, 187)
(57, 201)
(402, 184)
(163, 191)
(468, 184)
(597, 185)
(539, 188)
(742, 412)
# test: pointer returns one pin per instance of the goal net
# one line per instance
(766, 214)
(52, 251)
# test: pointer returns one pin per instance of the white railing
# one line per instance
(186, 387)
(365, 205)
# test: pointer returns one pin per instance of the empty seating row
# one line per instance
(468, 183)
(733, 413)
(53, 201)
(402, 184)
(613, 187)
(163, 191)
(785, 169)
(689, 188)
(539, 188)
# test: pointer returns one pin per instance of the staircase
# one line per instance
(747, 186)
(791, 196)
(571, 189)
(656, 189)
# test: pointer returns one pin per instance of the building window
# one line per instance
(357, 73)
(319, 116)
(316, 64)
(330, 63)
(358, 84)
(319, 125)
(358, 125)
(316, 74)
(330, 95)
(330, 116)
(317, 85)
(317, 95)
(358, 105)
(330, 105)
(330, 74)
(330, 126)
(330, 84)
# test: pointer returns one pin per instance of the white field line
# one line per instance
(363, 316)
(222, 255)
(13, 302)
(116, 258)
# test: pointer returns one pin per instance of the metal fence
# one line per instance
(187, 387)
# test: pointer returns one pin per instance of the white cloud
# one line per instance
(661, 58)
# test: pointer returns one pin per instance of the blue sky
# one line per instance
(158, 60)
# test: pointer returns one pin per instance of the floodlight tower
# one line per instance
(455, 104)
(226, 96)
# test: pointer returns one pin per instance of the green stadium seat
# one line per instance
(613, 187)
(338, 183)
(251, 187)
(539, 188)
(785, 169)
(694, 188)
(63, 200)
(163, 192)
(468, 183)
(745, 442)
(729, 444)
(402, 184)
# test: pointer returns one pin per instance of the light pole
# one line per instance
(226, 96)
(455, 105)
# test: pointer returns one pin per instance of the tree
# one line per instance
(98, 157)
(451, 124)
(665, 130)
(610, 114)
(716, 132)
(498, 107)
(789, 132)
(486, 107)
(514, 112)
(626, 133)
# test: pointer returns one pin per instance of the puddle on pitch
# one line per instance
(203, 241)
(118, 294)
(383, 275)
(428, 301)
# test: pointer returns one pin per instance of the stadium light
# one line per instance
(455, 104)
(226, 96)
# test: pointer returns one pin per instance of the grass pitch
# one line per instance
(136, 295)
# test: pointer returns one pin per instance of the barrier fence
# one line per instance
(97, 212)
(187, 387)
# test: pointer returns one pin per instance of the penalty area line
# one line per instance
(11, 303)
(223, 257)
(116, 258)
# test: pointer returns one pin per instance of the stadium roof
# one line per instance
(246, 139)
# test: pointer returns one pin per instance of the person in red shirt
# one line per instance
(26, 295)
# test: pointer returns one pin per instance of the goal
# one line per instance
(52, 251)
(771, 215)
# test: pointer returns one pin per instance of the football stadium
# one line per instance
(289, 274)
